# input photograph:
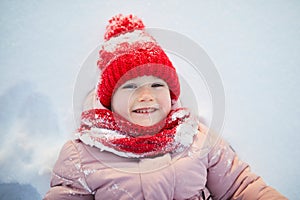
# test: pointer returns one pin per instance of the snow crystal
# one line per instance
(62, 178)
(71, 193)
(216, 155)
(116, 187)
(179, 114)
(186, 132)
(88, 140)
(229, 161)
(131, 37)
(89, 171)
(78, 166)
(87, 122)
(84, 184)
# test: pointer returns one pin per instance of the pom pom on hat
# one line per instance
(128, 52)
(121, 24)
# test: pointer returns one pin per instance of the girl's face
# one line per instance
(143, 100)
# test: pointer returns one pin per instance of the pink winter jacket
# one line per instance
(85, 172)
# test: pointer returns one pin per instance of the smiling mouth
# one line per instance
(144, 110)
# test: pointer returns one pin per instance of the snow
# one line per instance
(131, 37)
(186, 132)
(254, 45)
(116, 189)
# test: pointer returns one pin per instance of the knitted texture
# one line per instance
(109, 131)
(129, 52)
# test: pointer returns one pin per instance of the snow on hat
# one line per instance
(128, 52)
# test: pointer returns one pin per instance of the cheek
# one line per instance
(120, 104)
(165, 101)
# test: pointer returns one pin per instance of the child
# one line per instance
(141, 144)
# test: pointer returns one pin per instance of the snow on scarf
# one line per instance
(110, 132)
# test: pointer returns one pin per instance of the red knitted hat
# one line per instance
(128, 52)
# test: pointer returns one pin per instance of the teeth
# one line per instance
(148, 110)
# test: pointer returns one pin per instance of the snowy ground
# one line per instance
(254, 45)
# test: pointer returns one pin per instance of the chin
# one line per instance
(145, 123)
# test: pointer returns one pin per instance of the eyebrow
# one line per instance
(155, 80)
(128, 85)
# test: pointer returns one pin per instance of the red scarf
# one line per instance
(109, 131)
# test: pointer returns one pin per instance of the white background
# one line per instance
(255, 46)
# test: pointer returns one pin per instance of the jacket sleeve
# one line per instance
(230, 178)
(68, 180)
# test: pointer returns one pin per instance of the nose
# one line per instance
(145, 94)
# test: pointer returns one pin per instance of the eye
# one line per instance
(130, 86)
(155, 85)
